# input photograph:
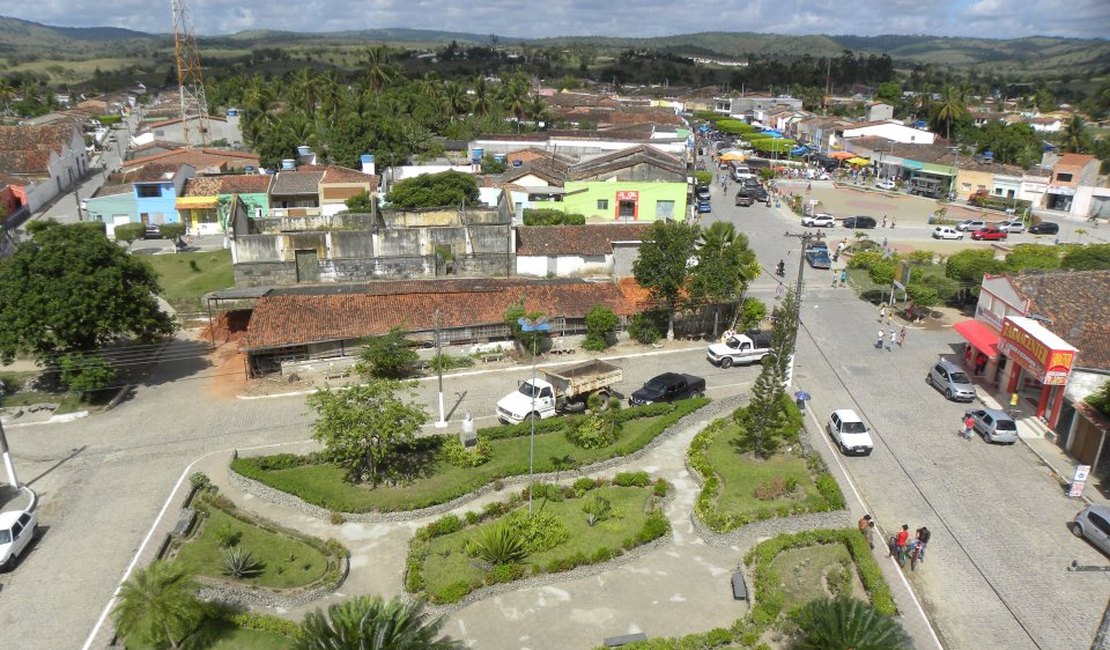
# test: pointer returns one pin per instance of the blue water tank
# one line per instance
(477, 153)
(499, 157)
(288, 164)
(366, 158)
(233, 112)
(304, 150)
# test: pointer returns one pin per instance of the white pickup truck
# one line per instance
(740, 349)
(559, 391)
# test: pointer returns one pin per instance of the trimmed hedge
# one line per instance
(266, 623)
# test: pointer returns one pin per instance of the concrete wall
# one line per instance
(346, 221)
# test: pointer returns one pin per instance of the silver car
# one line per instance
(994, 425)
(1093, 522)
(1012, 226)
(951, 380)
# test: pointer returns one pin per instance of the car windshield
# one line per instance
(1005, 425)
(959, 377)
(528, 389)
(5, 536)
(655, 386)
(854, 427)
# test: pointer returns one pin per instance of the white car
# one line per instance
(886, 184)
(17, 527)
(947, 232)
(819, 220)
(971, 225)
(1012, 226)
(849, 433)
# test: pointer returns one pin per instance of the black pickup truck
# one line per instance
(668, 387)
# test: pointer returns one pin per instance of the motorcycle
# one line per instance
(780, 270)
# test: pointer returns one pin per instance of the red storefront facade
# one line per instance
(1039, 359)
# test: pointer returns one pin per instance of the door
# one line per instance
(308, 266)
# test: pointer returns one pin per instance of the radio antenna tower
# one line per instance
(190, 81)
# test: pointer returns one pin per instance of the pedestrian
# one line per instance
(879, 343)
(882, 314)
(923, 536)
(862, 524)
(884, 221)
(901, 541)
(779, 290)
(870, 534)
(843, 277)
(969, 426)
(836, 276)
(892, 222)
(902, 337)
(980, 363)
(890, 319)
(890, 345)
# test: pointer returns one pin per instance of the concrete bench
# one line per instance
(492, 358)
(624, 639)
(184, 523)
(739, 586)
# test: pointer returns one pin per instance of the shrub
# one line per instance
(600, 323)
(279, 461)
(445, 525)
(501, 544)
(451, 592)
(504, 573)
(584, 485)
(594, 432)
(839, 580)
(597, 508)
(227, 537)
(239, 563)
(266, 623)
(540, 532)
(552, 217)
(389, 356)
(445, 362)
(199, 481)
(655, 526)
(336, 518)
(632, 479)
(643, 329)
(454, 452)
(661, 488)
(865, 259)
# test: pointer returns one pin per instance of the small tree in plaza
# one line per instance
(364, 427)
(764, 421)
(158, 605)
(389, 356)
(600, 323)
(663, 266)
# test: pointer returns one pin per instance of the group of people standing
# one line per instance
(896, 335)
(900, 546)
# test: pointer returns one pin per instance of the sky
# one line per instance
(641, 18)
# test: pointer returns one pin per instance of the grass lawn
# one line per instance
(288, 562)
(447, 562)
(221, 635)
(802, 573)
(324, 484)
(186, 277)
(740, 475)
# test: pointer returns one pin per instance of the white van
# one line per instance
(947, 232)
(740, 171)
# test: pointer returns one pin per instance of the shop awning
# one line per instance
(732, 155)
(981, 336)
(858, 161)
(841, 155)
(187, 202)
(912, 164)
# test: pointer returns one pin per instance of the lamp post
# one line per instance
(442, 422)
(528, 325)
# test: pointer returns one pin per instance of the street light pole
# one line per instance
(528, 325)
(8, 465)
(806, 238)
(442, 422)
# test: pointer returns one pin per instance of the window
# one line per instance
(603, 204)
(664, 209)
(1063, 178)
(148, 191)
(1099, 522)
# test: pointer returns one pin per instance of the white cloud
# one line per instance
(513, 18)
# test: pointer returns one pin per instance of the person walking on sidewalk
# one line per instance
(969, 426)
(879, 343)
(862, 524)
(870, 534)
(882, 314)
(843, 277)
(902, 337)
(890, 343)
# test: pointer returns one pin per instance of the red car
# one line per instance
(989, 233)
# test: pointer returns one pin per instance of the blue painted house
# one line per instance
(147, 195)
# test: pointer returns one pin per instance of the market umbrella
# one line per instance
(732, 155)
(858, 161)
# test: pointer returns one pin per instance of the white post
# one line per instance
(442, 422)
(8, 465)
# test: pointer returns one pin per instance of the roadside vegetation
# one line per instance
(591, 522)
(186, 277)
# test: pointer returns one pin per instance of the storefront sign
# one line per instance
(988, 317)
(628, 196)
(1063, 190)
(1079, 480)
(1050, 366)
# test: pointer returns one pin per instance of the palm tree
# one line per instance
(1074, 138)
(483, 101)
(158, 605)
(378, 72)
(847, 623)
(725, 266)
(370, 623)
(951, 107)
(456, 98)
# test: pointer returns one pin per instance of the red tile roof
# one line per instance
(1075, 159)
(1076, 303)
(298, 318)
(337, 174)
(231, 184)
(199, 158)
(26, 149)
(576, 240)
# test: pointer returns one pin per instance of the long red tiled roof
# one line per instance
(26, 149)
(300, 318)
(594, 239)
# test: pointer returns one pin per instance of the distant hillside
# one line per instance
(23, 35)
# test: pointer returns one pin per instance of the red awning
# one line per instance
(981, 336)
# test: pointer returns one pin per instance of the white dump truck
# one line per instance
(740, 349)
(559, 391)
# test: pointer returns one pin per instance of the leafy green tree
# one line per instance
(445, 189)
(129, 232)
(600, 323)
(69, 289)
(172, 231)
(725, 265)
(1092, 257)
(158, 605)
(1100, 399)
(529, 341)
(752, 313)
(764, 421)
(361, 203)
(969, 266)
(1033, 257)
(83, 373)
(846, 623)
(365, 427)
(371, 623)
(663, 266)
(1076, 138)
(389, 356)
(889, 92)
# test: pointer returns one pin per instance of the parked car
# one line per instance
(1093, 523)
(17, 528)
(859, 222)
(818, 258)
(744, 198)
(758, 193)
(819, 220)
(668, 387)
(971, 225)
(152, 231)
(886, 184)
(994, 425)
(989, 234)
(702, 193)
(1045, 228)
(951, 380)
(704, 207)
(947, 232)
(849, 433)
(1012, 226)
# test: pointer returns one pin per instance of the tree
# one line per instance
(158, 606)
(529, 341)
(172, 231)
(600, 323)
(83, 373)
(445, 189)
(371, 623)
(663, 266)
(1100, 399)
(951, 108)
(752, 313)
(1033, 257)
(1075, 138)
(129, 232)
(969, 266)
(763, 421)
(846, 623)
(360, 202)
(69, 289)
(724, 267)
(364, 427)
(1092, 257)
(389, 356)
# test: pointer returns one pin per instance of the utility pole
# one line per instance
(806, 238)
(8, 465)
(442, 422)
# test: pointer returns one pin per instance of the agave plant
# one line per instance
(240, 564)
(501, 544)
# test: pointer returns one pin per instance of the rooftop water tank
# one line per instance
(288, 164)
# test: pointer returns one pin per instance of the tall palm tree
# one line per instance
(847, 623)
(726, 264)
(483, 97)
(158, 605)
(370, 623)
(378, 72)
(951, 107)
(458, 103)
(1074, 138)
